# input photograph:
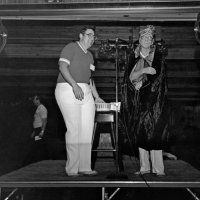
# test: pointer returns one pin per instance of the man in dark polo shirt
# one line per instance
(75, 94)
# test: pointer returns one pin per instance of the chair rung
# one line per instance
(108, 150)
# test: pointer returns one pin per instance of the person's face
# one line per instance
(146, 41)
(88, 38)
(35, 101)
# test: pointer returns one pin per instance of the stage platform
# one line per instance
(51, 173)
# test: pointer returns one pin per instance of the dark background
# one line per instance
(28, 66)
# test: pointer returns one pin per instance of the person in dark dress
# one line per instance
(144, 113)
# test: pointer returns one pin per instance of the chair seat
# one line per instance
(104, 117)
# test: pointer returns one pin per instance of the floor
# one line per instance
(15, 144)
(51, 172)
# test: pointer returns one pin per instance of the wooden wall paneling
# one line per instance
(26, 63)
(53, 51)
(29, 61)
(32, 50)
(176, 35)
(37, 46)
(113, 32)
(45, 34)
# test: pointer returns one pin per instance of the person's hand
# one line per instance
(149, 70)
(41, 134)
(78, 92)
(99, 100)
(138, 85)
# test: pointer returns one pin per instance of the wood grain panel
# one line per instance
(29, 63)
(53, 51)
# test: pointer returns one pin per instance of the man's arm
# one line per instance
(43, 128)
(95, 93)
(64, 69)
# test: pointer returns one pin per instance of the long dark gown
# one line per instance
(143, 120)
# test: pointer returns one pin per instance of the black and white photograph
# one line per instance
(99, 99)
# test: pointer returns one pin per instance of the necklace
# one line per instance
(144, 53)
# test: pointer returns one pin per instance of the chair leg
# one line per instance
(120, 162)
(95, 144)
(113, 140)
(94, 132)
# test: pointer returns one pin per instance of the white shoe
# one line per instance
(160, 174)
(142, 172)
(89, 173)
(73, 174)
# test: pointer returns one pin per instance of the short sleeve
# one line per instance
(67, 53)
(92, 67)
(43, 112)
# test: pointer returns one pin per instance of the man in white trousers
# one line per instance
(76, 95)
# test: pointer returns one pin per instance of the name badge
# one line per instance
(92, 67)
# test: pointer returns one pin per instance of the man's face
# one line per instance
(146, 41)
(35, 101)
(88, 38)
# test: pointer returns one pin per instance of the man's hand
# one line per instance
(41, 134)
(78, 92)
(99, 100)
(149, 70)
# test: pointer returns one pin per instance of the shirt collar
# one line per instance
(143, 55)
(85, 51)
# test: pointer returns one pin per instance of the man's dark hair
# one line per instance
(85, 28)
(37, 97)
